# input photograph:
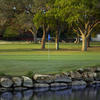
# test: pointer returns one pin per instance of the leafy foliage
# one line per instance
(10, 33)
(81, 15)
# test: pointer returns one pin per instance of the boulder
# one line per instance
(79, 83)
(97, 78)
(97, 69)
(89, 76)
(91, 69)
(75, 75)
(80, 70)
(27, 82)
(58, 85)
(52, 78)
(88, 70)
(62, 78)
(6, 82)
(78, 87)
(17, 81)
(95, 83)
(41, 85)
(43, 78)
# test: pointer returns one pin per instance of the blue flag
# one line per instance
(48, 36)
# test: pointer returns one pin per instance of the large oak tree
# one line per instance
(83, 15)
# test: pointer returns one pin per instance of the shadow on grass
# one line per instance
(26, 50)
(92, 48)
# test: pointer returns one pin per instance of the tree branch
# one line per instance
(31, 31)
(80, 31)
(91, 27)
(77, 32)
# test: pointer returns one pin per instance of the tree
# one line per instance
(20, 14)
(28, 8)
(10, 33)
(82, 15)
(24, 22)
(55, 23)
(41, 19)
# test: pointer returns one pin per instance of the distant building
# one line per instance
(97, 38)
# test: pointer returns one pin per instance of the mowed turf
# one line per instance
(19, 58)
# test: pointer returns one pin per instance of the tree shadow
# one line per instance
(27, 50)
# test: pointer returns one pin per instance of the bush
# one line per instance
(2, 74)
(10, 33)
(30, 74)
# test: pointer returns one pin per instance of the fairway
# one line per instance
(20, 58)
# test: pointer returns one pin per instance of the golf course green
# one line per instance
(19, 58)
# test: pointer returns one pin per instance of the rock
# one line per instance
(87, 69)
(92, 69)
(97, 69)
(6, 82)
(81, 70)
(17, 81)
(27, 82)
(97, 78)
(41, 90)
(75, 76)
(95, 83)
(58, 85)
(78, 87)
(52, 78)
(41, 85)
(43, 78)
(89, 76)
(79, 83)
(62, 78)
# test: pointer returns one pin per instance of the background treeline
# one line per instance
(62, 19)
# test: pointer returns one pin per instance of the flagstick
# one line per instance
(48, 51)
(48, 48)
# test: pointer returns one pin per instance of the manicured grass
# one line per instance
(19, 58)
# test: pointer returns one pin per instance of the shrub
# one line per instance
(2, 74)
(29, 74)
(10, 33)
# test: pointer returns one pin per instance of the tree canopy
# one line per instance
(80, 15)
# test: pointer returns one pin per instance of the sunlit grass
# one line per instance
(19, 58)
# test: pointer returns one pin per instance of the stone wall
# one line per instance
(74, 79)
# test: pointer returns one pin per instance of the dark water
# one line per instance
(68, 94)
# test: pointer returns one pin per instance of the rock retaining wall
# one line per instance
(73, 79)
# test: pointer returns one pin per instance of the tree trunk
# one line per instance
(77, 41)
(57, 40)
(88, 41)
(43, 38)
(84, 43)
(35, 38)
(34, 34)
